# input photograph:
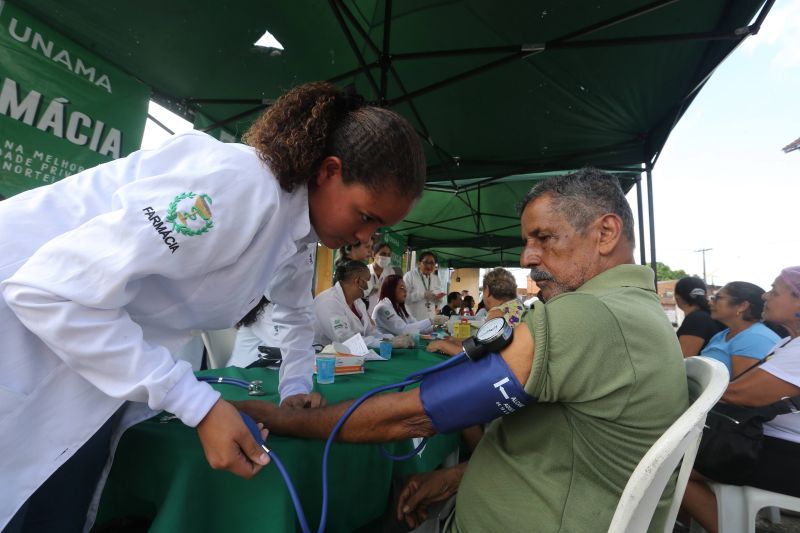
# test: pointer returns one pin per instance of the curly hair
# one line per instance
(501, 284)
(379, 149)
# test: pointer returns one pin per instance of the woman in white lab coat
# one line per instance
(340, 311)
(379, 270)
(104, 274)
(425, 292)
(390, 314)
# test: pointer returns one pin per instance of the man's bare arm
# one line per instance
(382, 418)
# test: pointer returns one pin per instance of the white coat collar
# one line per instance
(300, 225)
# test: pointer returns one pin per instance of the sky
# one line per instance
(722, 181)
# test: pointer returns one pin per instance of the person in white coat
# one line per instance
(104, 275)
(425, 292)
(391, 315)
(379, 270)
(340, 311)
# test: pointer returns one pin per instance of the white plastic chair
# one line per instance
(707, 380)
(219, 346)
(737, 507)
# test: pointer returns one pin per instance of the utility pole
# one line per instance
(703, 251)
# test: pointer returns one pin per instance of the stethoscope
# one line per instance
(493, 335)
(254, 388)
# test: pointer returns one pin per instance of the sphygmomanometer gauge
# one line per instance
(492, 336)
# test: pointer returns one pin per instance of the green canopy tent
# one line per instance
(496, 89)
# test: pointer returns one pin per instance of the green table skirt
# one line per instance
(160, 471)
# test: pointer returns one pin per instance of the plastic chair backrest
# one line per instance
(219, 346)
(707, 380)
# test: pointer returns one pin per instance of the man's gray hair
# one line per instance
(584, 196)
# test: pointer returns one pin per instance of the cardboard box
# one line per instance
(345, 364)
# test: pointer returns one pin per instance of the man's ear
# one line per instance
(330, 170)
(609, 228)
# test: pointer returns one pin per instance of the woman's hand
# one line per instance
(310, 401)
(227, 442)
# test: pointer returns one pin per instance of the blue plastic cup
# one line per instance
(386, 349)
(326, 369)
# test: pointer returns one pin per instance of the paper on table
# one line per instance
(355, 345)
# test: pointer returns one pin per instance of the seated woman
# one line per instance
(499, 297)
(467, 306)
(254, 330)
(778, 468)
(738, 305)
(340, 311)
(697, 327)
(391, 316)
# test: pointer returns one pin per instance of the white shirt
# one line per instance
(262, 332)
(376, 282)
(388, 321)
(100, 288)
(417, 284)
(335, 321)
(785, 365)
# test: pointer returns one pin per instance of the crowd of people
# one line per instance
(147, 248)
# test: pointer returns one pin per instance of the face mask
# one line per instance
(366, 291)
(383, 261)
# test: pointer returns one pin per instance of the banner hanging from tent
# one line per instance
(62, 108)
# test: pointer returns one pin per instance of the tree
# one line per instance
(663, 272)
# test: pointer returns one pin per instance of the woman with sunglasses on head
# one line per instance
(746, 340)
(104, 274)
(379, 270)
(777, 468)
(424, 288)
(697, 327)
(340, 311)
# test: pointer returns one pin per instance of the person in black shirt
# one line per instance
(698, 326)
(453, 303)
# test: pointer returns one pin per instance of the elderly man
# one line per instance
(597, 357)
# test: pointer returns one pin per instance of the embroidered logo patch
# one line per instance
(190, 214)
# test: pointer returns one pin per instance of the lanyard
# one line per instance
(422, 278)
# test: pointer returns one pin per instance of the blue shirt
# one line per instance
(754, 342)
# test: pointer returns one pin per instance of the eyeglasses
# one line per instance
(715, 297)
(429, 263)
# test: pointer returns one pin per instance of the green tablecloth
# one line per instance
(160, 471)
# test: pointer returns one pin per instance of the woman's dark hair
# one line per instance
(425, 254)
(389, 290)
(250, 318)
(742, 291)
(693, 291)
(348, 269)
(469, 302)
(379, 149)
(481, 305)
(378, 245)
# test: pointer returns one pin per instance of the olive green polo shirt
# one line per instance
(609, 377)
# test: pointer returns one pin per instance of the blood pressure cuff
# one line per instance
(472, 393)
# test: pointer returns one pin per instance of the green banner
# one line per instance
(62, 108)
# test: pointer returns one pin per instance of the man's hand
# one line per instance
(312, 401)
(423, 490)
(227, 442)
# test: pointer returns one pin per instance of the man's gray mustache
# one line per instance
(538, 275)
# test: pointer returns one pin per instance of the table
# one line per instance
(160, 471)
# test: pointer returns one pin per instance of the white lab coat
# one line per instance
(388, 321)
(416, 285)
(97, 293)
(376, 282)
(262, 332)
(335, 321)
